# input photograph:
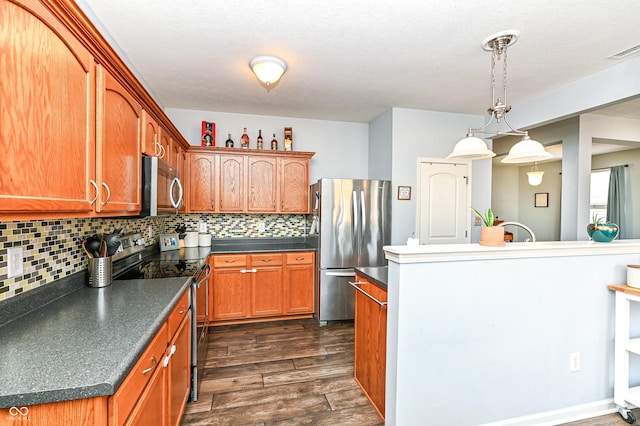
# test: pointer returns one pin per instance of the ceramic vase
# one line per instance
(492, 236)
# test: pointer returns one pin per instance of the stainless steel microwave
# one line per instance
(162, 191)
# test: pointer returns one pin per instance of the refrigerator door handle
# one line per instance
(341, 273)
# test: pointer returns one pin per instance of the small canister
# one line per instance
(633, 276)
(204, 239)
(191, 239)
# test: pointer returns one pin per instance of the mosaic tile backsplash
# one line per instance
(51, 248)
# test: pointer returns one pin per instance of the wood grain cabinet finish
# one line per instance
(151, 136)
(247, 287)
(178, 366)
(294, 185)
(118, 167)
(370, 326)
(262, 184)
(231, 186)
(47, 135)
(202, 179)
(298, 283)
(164, 139)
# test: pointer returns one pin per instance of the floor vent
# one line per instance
(626, 52)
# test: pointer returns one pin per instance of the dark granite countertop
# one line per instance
(376, 274)
(261, 245)
(83, 344)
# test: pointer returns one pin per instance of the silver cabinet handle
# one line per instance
(108, 193)
(174, 182)
(245, 271)
(95, 185)
(154, 362)
(162, 150)
(168, 357)
(357, 287)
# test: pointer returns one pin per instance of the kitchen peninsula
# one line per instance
(479, 335)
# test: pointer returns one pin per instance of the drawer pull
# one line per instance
(230, 261)
(244, 271)
(299, 258)
(183, 310)
(266, 260)
(357, 287)
(154, 362)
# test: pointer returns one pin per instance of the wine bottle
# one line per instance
(244, 139)
(259, 138)
(274, 143)
(229, 142)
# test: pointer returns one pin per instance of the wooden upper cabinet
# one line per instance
(47, 135)
(294, 185)
(164, 138)
(178, 161)
(232, 190)
(261, 184)
(118, 170)
(202, 178)
(150, 136)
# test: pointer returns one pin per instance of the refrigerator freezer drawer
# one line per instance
(336, 296)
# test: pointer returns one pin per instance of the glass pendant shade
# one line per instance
(268, 69)
(535, 176)
(470, 148)
(526, 151)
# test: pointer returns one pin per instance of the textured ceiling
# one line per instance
(353, 60)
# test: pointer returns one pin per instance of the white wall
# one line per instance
(419, 133)
(381, 147)
(341, 148)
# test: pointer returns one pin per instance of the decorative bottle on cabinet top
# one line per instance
(244, 140)
(260, 139)
(229, 142)
(274, 143)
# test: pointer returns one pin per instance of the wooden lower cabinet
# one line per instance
(261, 285)
(370, 326)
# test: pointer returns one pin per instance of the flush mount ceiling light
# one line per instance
(535, 176)
(474, 148)
(268, 69)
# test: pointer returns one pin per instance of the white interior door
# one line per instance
(444, 202)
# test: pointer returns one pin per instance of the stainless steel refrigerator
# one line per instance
(353, 221)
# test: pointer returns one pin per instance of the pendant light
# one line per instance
(535, 176)
(474, 148)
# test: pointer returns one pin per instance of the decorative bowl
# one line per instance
(602, 233)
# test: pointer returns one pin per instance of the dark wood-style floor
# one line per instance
(290, 373)
(281, 373)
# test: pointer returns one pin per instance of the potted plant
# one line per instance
(490, 235)
(600, 231)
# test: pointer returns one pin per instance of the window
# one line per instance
(599, 193)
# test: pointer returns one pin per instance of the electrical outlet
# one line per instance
(574, 361)
(203, 227)
(14, 262)
(477, 221)
(261, 227)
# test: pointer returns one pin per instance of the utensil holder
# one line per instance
(100, 271)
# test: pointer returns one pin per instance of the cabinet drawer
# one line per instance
(125, 398)
(268, 259)
(299, 258)
(181, 309)
(230, 261)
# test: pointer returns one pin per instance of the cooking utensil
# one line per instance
(86, 250)
(113, 242)
(93, 245)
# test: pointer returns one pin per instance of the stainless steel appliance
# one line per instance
(133, 261)
(353, 220)
(161, 188)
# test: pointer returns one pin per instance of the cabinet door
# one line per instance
(150, 136)
(261, 184)
(151, 408)
(229, 298)
(294, 185)
(298, 283)
(370, 327)
(266, 284)
(231, 189)
(47, 135)
(118, 171)
(179, 372)
(202, 183)
(164, 139)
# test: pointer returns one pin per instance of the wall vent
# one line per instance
(627, 52)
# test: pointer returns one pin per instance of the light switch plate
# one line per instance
(14, 262)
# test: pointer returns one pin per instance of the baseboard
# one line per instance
(564, 415)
